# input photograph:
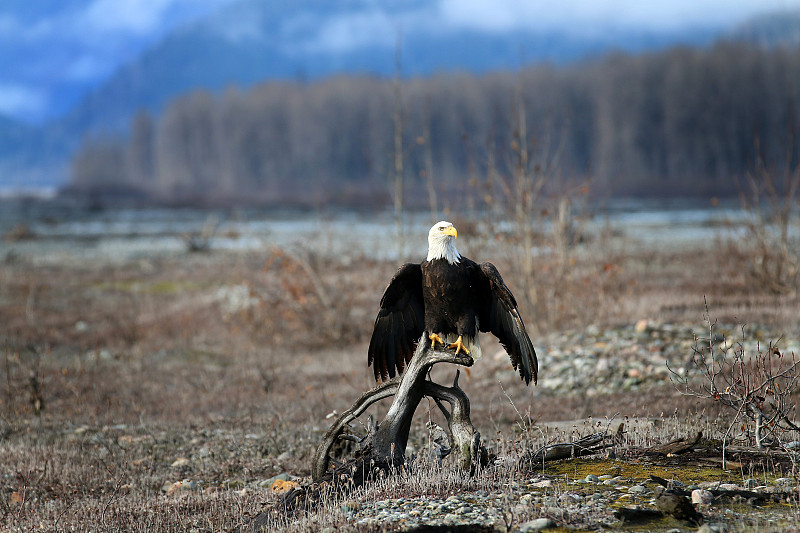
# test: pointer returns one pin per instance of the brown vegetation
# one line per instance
(218, 369)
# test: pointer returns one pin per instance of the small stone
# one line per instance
(236, 484)
(638, 489)
(537, 524)
(520, 509)
(285, 456)
(591, 478)
(711, 528)
(674, 503)
(784, 482)
(546, 483)
(703, 497)
(640, 326)
(605, 476)
(729, 486)
(569, 497)
(180, 462)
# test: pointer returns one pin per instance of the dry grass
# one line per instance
(111, 374)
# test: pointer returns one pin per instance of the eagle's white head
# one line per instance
(441, 242)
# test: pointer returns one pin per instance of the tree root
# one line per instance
(383, 449)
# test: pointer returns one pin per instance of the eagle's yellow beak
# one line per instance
(450, 230)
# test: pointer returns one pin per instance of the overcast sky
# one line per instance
(649, 14)
(61, 45)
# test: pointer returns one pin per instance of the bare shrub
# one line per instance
(758, 387)
(302, 291)
(771, 238)
(531, 225)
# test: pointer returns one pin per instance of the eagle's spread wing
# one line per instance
(400, 323)
(497, 312)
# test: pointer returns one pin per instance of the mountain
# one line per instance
(780, 28)
(30, 157)
(250, 41)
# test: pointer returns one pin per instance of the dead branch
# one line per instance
(588, 445)
(676, 446)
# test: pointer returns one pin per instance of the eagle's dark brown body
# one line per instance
(448, 292)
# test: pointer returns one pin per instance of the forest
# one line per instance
(683, 121)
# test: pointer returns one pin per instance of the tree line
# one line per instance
(683, 121)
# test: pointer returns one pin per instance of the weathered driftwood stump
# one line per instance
(384, 447)
(588, 445)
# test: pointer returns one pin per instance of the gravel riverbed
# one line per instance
(594, 362)
(599, 361)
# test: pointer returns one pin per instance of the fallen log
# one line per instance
(749, 495)
(677, 446)
(588, 445)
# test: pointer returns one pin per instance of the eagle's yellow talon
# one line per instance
(459, 345)
(434, 339)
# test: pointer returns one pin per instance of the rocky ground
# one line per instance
(590, 503)
(615, 489)
(182, 391)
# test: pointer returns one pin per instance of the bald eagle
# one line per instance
(449, 299)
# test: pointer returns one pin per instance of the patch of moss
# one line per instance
(639, 470)
(202, 357)
(157, 288)
(172, 287)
